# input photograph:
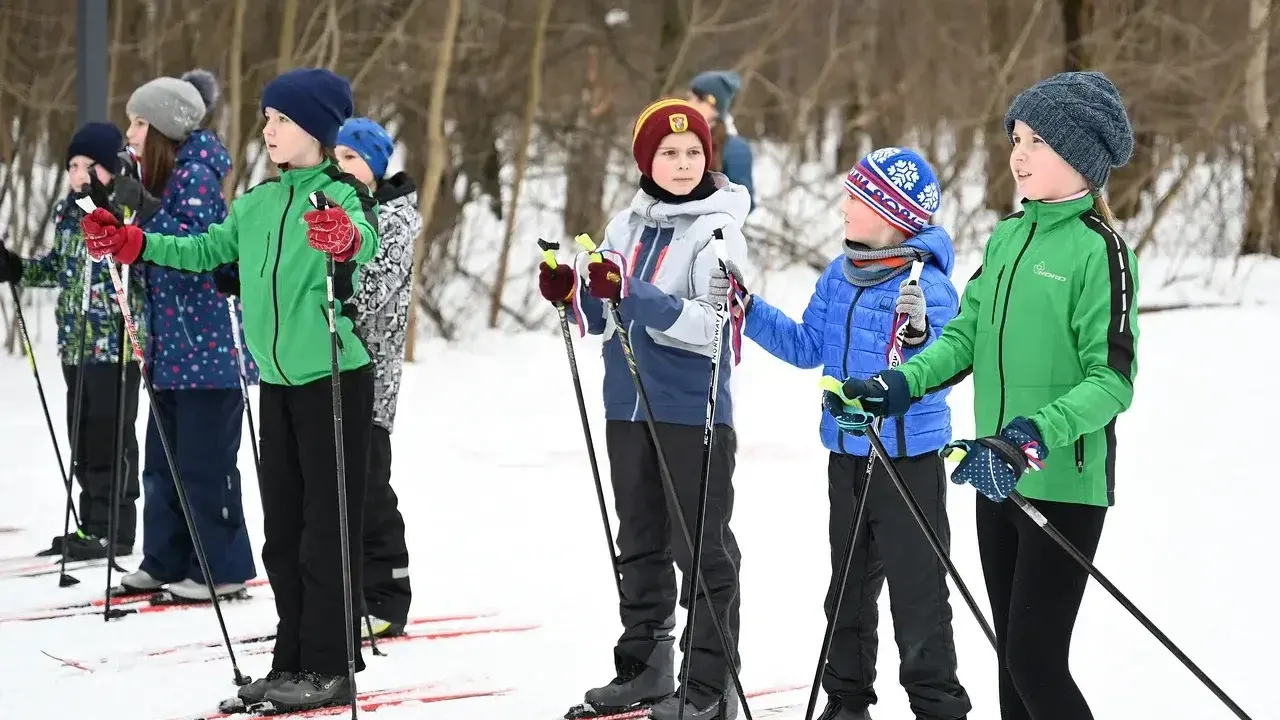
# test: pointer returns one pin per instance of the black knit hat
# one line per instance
(315, 98)
(98, 141)
(1081, 116)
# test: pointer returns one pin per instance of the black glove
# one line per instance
(129, 193)
(10, 265)
(227, 280)
(882, 395)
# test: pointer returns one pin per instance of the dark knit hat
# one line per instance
(717, 87)
(315, 98)
(98, 141)
(371, 141)
(1081, 116)
(664, 118)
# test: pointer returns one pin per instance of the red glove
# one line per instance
(556, 284)
(330, 231)
(104, 235)
(605, 280)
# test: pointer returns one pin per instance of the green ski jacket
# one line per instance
(282, 278)
(1048, 327)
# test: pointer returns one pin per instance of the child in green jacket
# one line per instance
(281, 246)
(1048, 327)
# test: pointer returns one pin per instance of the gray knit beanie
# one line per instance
(175, 106)
(1081, 116)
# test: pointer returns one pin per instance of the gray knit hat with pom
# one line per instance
(1081, 116)
(175, 106)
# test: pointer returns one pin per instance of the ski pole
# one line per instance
(87, 204)
(320, 202)
(667, 483)
(65, 580)
(929, 533)
(894, 357)
(549, 255)
(35, 371)
(708, 441)
(118, 462)
(1056, 535)
(244, 383)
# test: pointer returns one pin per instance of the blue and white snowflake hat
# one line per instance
(898, 184)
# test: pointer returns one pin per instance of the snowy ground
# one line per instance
(502, 518)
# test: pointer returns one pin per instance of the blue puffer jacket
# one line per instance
(191, 347)
(846, 330)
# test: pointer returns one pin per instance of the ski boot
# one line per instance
(136, 583)
(699, 706)
(836, 710)
(638, 685)
(190, 592)
(308, 691)
(254, 692)
(381, 628)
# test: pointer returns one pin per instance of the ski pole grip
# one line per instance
(829, 383)
(585, 241)
(549, 252)
(917, 268)
(320, 201)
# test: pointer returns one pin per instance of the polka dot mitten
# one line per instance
(994, 464)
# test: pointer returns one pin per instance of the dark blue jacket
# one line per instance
(191, 346)
(666, 252)
(846, 330)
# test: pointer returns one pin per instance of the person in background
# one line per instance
(94, 148)
(712, 93)
(382, 319)
(191, 356)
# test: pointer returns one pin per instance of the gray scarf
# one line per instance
(862, 269)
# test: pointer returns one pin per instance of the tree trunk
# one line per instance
(236, 94)
(436, 156)
(999, 191)
(1077, 23)
(522, 155)
(1262, 176)
(587, 161)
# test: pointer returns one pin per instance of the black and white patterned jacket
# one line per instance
(384, 295)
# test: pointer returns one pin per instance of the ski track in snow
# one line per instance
(504, 518)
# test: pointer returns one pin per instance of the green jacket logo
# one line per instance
(1039, 270)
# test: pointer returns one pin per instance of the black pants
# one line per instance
(302, 548)
(203, 428)
(1035, 589)
(893, 546)
(386, 557)
(95, 460)
(648, 537)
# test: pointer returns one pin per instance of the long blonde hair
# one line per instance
(1100, 205)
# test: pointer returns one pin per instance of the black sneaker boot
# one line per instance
(836, 710)
(308, 691)
(255, 691)
(638, 685)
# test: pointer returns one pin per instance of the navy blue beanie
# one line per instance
(98, 141)
(721, 86)
(315, 98)
(1081, 116)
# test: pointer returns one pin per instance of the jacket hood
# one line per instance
(394, 187)
(938, 242)
(731, 199)
(204, 147)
